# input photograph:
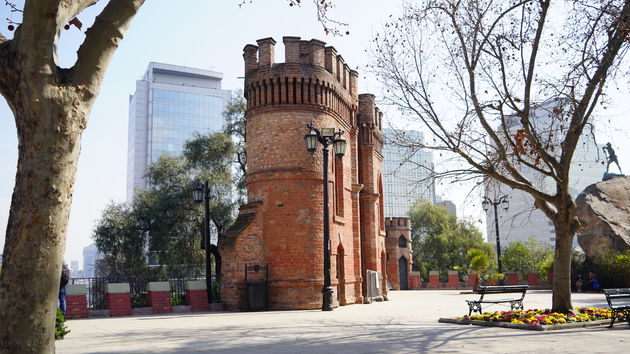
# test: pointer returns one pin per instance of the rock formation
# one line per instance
(604, 211)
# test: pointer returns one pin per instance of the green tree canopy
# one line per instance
(525, 257)
(164, 218)
(441, 241)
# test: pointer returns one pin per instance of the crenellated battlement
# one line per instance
(312, 74)
(397, 223)
(370, 121)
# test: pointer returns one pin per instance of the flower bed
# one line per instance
(542, 317)
(537, 320)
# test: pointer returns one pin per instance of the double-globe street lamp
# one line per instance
(505, 204)
(326, 137)
(201, 193)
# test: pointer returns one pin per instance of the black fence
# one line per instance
(96, 289)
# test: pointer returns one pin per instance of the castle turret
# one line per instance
(282, 224)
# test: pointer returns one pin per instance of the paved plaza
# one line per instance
(405, 324)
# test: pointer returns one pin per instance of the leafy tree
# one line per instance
(441, 242)
(122, 241)
(478, 264)
(500, 64)
(51, 106)
(530, 256)
(236, 128)
(165, 218)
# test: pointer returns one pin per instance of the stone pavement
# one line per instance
(405, 324)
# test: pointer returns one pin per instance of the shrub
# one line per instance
(177, 299)
(614, 269)
(60, 326)
(494, 278)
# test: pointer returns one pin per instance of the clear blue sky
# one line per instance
(211, 35)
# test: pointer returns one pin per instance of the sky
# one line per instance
(209, 35)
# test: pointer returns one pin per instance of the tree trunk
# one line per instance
(50, 120)
(565, 229)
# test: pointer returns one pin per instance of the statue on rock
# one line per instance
(611, 157)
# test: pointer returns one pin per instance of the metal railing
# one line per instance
(96, 289)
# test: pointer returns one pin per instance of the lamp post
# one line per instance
(505, 204)
(201, 194)
(326, 137)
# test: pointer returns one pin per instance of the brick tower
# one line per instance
(280, 230)
(398, 243)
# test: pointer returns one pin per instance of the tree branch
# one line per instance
(72, 9)
(101, 41)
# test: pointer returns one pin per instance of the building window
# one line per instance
(339, 205)
(402, 242)
(381, 207)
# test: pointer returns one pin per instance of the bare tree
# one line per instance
(508, 88)
(51, 106)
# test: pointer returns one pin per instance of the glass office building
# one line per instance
(170, 105)
(407, 172)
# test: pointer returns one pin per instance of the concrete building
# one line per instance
(170, 104)
(278, 237)
(407, 172)
(522, 221)
(74, 268)
(90, 256)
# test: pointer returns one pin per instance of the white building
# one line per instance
(170, 104)
(407, 173)
(522, 221)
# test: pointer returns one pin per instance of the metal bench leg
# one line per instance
(612, 320)
(516, 305)
(474, 307)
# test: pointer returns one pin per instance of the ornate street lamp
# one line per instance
(201, 193)
(505, 204)
(326, 137)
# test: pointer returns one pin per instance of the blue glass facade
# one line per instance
(178, 115)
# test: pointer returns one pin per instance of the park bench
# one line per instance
(619, 302)
(516, 303)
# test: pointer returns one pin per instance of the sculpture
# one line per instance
(611, 157)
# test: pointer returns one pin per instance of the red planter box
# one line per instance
(198, 300)
(532, 279)
(160, 301)
(119, 304)
(434, 281)
(415, 281)
(512, 279)
(472, 278)
(453, 281)
(76, 306)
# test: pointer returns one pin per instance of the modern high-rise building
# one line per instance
(170, 104)
(407, 172)
(90, 256)
(521, 221)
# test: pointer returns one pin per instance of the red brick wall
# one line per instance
(160, 301)
(119, 304)
(76, 306)
(197, 299)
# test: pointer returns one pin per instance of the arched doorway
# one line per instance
(402, 273)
